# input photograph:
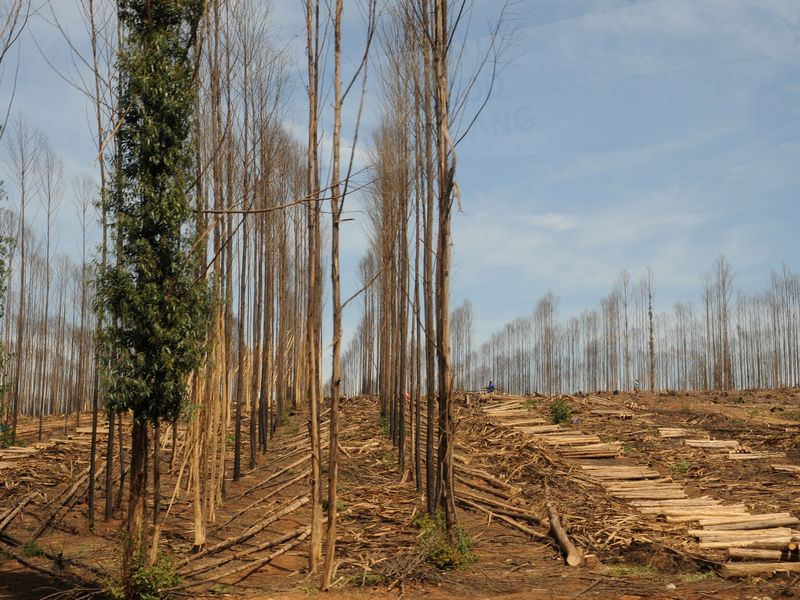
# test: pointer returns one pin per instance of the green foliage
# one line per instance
(531, 404)
(384, 426)
(147, 582)
(156, 293)
(560, 411)
(31, 549)
(436, 547)
(682, 466)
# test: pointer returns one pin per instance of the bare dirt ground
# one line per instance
(637, 556)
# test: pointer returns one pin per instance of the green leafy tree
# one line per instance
(155, 298)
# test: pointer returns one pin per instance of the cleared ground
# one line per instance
(506, 478)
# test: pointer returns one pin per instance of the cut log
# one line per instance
(539, 429)
(8, 516)
(712, 444)
(778, 540)
(757, 524)
(786, 468)
(574, 557)
(523, 422)
(673, 432)
(748, 569)
(641, 484)
(651, 494)
(581, 441)
(756, 456)
(759, 554)
(739, 533)
(516, 524)
(250, 531)
(699, 511)
(702, 501)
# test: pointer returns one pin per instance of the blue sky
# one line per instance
(622, 135)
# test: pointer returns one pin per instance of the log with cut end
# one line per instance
(620, 472)
(592, 451)
(744, 569)
(748, 542)
(699, 511)
(574, 556)
(721, 534)
(712, 444)
(540, 429)
(786, 468)
(756, 456)
(673, 432)
(756, 524)
(783, 554)
(518, 423)
(563, 440)
(724, 520)
(702, 501)
(653, 493)
(663, 483)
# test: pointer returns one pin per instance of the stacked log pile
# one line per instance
(744, 536)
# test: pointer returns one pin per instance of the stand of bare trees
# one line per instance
(730, 341)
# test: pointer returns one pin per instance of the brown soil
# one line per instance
(638, 557)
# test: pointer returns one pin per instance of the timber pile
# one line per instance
(673, 432)
(719, 445)
(743, 535)
(787, 468)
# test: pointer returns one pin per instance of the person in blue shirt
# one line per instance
(490, 388)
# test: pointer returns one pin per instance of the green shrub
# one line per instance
(560, 411)
(148, 582)
(31, 549)
(436, 547)
(682, 466)
(531, 404)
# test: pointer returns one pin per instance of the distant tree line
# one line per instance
(727, 340)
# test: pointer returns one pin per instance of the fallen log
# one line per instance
(499, 507)
(702, 501)
(482, 487)
(712, 444)
(540, 429)
(242, 568)
(748, 569)
(786, 468)
(250, 531)
(243, 553)
(756, 456)
(739, 533)
(756, 542)
(274, 492)
(10, 514)
(757, 524)
(516, 524)
(783, 554)
(651, 494)
(704, 511)
(710, 522)
(488, 478)
(574, 557)
(64, 499)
